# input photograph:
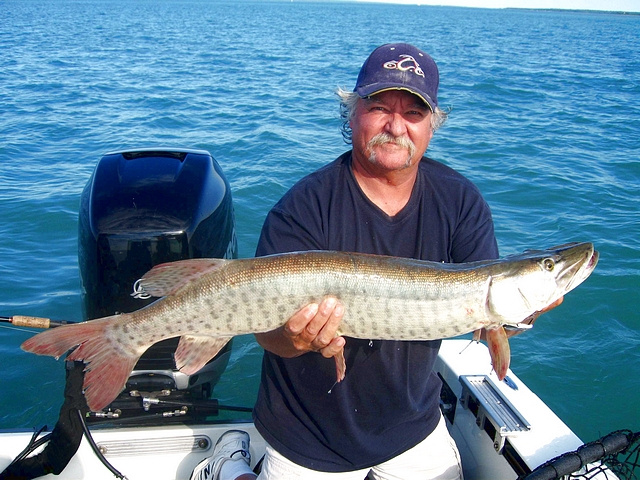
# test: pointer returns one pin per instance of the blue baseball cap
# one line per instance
(399, 66)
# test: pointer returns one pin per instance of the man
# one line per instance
(381, 197)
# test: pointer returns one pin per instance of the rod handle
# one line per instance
(31, 322)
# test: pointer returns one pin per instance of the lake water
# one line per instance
(545, 119)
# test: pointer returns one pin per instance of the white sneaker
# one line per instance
(232, 445)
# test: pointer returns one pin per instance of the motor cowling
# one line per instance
(145, 207)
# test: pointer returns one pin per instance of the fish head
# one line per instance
(529, 282)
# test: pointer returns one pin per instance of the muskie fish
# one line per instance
(208, 301)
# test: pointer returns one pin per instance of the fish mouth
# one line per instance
(578, 261)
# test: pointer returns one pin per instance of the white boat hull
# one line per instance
(172, 452)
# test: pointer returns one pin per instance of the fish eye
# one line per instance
(548, 264)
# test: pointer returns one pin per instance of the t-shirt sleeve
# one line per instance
(283, 232)
(298, 222)
(474, 238)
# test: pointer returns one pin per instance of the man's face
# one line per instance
(391, 129)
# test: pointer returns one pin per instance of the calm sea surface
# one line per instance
(545, 119)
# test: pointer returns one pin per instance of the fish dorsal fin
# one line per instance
(167, 278)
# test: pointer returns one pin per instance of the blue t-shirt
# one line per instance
(388, 401)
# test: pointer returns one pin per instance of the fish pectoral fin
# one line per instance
(499, 350)
(194, 352)
(168, 278)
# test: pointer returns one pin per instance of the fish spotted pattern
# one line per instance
(208, 301)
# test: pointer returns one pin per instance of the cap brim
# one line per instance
(370, 90)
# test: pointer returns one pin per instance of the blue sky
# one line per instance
(606, 5)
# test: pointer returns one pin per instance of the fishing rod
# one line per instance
(33, 322)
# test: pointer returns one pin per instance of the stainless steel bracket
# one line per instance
(493, 412)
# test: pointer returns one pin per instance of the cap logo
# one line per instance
(408, 63)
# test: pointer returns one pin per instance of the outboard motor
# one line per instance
(141, 208)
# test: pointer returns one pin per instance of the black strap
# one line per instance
(65, 438)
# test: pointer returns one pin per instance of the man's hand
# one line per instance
(553, 305)
(530, 320)
(312, 329)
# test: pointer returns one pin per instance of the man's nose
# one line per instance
(396, 125)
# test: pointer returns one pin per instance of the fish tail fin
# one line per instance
(499, 350)
(108, 365)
